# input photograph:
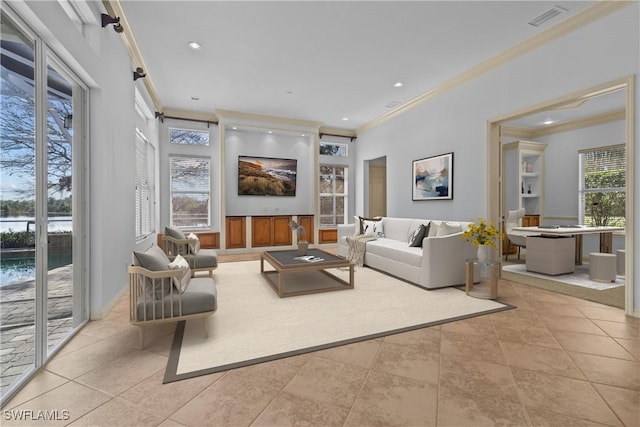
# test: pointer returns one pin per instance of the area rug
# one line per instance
(579, 278)
(253, 325)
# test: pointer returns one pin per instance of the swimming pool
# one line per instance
(20, 266)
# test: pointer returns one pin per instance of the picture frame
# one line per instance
(432, 178)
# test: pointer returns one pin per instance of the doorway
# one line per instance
(496, 178)
(377, 187)
(43, 282)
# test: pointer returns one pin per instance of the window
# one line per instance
(339, 150)
(145, 193)
(333, 195)
(602, 182)
(190, 191)
(188, 137)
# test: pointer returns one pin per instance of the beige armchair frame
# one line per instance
(146, 308)
(173, 246)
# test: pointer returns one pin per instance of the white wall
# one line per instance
(101, 61)
(243, 142)
(456, 121)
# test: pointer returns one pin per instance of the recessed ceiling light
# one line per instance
(269, 132)
(195, 98)
(345, 118)
(235, 128)
(548, 122)
(194, 45)
(398, 84)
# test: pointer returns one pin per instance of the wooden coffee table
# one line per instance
(298, 277)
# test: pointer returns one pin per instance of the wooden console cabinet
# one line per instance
(328, 235)
(208, 239)
(236, 232)
(306, 221)
(270, 231)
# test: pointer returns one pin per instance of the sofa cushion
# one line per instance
(446, 228)
(418, 235)
(395, 250)
(397, 228)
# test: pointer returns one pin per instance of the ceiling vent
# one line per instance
(545, 16)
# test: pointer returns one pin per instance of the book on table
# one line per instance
(309, 258)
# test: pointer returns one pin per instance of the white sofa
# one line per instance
(438, 263)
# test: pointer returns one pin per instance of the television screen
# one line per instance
(266, 176)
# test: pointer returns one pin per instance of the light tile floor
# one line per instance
(553, 361)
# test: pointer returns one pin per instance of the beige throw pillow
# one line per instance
(179, 263)
(445, 228)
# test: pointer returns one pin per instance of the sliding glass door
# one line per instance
(42, 290)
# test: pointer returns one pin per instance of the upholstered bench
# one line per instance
(161, 290)
(602, 267)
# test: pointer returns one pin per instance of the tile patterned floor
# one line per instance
(554, 361)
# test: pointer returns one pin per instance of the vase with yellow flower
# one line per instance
(483, 234)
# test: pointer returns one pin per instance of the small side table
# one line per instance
(482, 279)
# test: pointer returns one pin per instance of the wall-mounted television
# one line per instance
(266, 176)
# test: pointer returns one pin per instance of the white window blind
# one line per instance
(602, 186)
(190, 192)
(145, 190)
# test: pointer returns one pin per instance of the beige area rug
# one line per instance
(576, 285)
(252, 325)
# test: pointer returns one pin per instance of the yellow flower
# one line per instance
(481, 233)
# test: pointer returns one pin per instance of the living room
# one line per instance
(450, 118)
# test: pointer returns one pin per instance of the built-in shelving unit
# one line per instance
(524, 177)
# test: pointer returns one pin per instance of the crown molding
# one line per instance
(573, 23)
(596, 119)
(114, 8)
(240, 118)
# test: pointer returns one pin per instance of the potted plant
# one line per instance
(303, 245)
(483, 234)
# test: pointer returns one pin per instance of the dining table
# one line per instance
(577, 231)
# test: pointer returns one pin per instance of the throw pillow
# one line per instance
(445, 228)
(179, 263)
(415, 241)
(174, 232)
(194, 245)
(372, 227)
(154, 259)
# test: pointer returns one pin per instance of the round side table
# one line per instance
(482, 278)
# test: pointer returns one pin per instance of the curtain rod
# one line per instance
(339, 136)
(162, 117)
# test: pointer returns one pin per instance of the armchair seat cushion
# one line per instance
(205, 258)
(200, 297)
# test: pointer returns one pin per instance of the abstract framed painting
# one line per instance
(433, 178)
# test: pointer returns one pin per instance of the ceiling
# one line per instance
(322, 61)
